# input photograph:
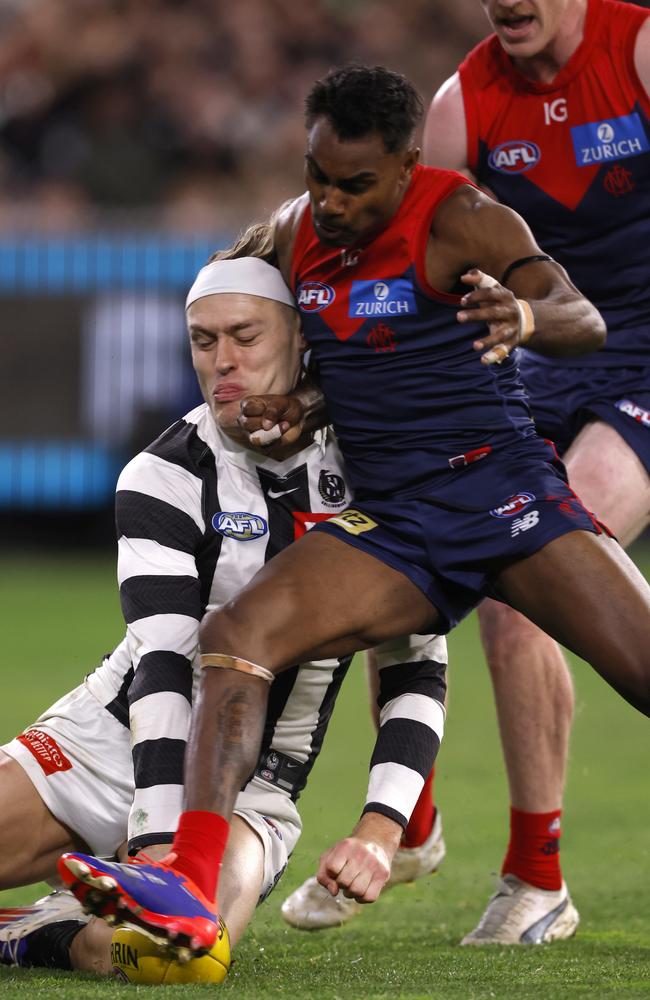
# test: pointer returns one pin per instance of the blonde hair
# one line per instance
(258, 240)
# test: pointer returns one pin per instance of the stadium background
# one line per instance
(135, 138)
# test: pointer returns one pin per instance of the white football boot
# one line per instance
(18, 922)
(311, 907)
(520, 913)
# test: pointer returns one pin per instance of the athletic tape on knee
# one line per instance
(227, 662)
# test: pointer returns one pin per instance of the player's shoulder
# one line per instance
(620, 13)
(466, 212)
(287, 224)
(180, 450)
(448, 188)
(483, 63)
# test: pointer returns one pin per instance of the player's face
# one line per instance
(355, 187)
(526, 28)
(242, 345)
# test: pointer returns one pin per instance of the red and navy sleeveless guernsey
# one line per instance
(573, 158)
(407, 394)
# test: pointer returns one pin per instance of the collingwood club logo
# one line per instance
(331, 488)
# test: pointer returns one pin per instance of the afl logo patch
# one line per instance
(314, 296)
(515, 156)
(513, 505)
(239, 525)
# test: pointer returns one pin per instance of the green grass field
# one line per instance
(61, 615)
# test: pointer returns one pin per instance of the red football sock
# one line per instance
(421, 822)
(199, 844)
(534, 850)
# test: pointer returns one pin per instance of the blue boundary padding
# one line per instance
(79, 264)
(54, 475)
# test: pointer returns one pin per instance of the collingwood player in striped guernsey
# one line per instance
(198, 513)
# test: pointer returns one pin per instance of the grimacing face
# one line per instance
(526, 28)
(355, 186)
(242, 345)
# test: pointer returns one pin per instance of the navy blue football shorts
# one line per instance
(453, 546)
(563, 400)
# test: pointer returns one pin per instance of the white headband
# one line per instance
(247, 275)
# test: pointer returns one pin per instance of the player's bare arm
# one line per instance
(642, 56)
(444, 142)
(540, 306)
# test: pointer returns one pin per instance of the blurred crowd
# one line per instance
(186, 114)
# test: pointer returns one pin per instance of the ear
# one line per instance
(296, 320)
(411, 158)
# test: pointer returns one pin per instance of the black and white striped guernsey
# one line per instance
(197, 515)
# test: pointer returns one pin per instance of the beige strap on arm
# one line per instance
(526, 321)
(227, 662)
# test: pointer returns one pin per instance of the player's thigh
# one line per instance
(31, 839)
(610, 479)
(583, 590)
(322, 597)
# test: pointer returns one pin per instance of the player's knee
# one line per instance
(249, 627)
(506, 635)
(233, 632)
(90, 950)
(220, 631)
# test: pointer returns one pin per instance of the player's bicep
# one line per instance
(444, 142)
(642, 56)
(492, 237)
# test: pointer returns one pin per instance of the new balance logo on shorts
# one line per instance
(524, 523)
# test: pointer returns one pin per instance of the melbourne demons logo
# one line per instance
(515, 156)
(513, 505)
(314, 296)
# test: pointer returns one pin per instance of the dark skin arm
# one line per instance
(471, 231)
(471, 236)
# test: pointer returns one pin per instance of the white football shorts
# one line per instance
(78, 757)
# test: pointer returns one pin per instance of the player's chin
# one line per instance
(333, 237)
(227, 415)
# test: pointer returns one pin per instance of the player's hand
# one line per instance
(267, 419)
(359, 865)
(495, 305)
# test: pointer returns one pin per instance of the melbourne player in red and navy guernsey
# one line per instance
(551, 114)
(572, 156)
(462, 447)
